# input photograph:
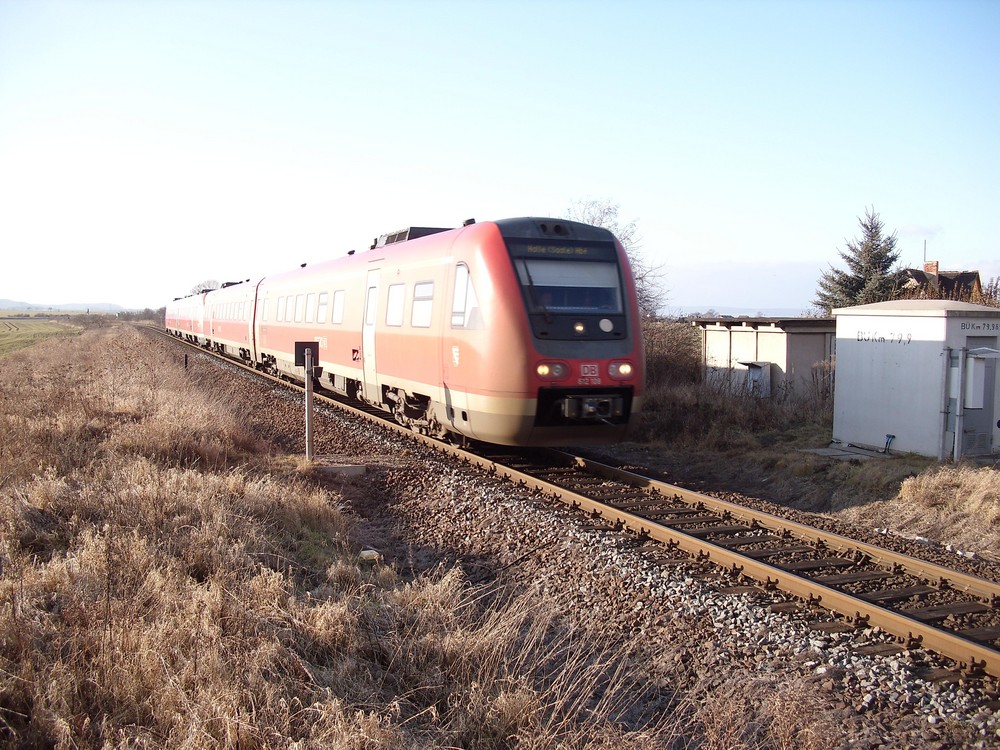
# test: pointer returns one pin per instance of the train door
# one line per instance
(258, 323)
(977, 432)
(199, 323)
(372, 393)
(457, 353)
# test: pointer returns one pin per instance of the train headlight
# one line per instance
(620, 370)
(552, 370)
(579, 328)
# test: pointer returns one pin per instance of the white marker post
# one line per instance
(306, 354)
(309, 405)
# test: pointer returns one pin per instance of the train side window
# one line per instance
(321, 305)
(423, 298)
(465, 304)
(279, 313)
(262, 310)
(310, 307)
(394, 306)
(338, 307)
(300, 307)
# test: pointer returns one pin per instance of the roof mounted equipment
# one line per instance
(410, 233)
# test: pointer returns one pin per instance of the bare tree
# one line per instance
(991, 292)
(648, 278)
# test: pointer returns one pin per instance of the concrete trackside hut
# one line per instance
(768, 356)
(911, 375)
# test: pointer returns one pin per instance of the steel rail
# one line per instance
(971, 656)
(980, 587)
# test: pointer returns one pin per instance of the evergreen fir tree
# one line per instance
(870, 274)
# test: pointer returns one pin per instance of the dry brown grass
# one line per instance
(160, 588)
(959, 505)
(749, 711)
(963, 489)
(708, 416)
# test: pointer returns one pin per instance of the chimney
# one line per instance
(931, 267)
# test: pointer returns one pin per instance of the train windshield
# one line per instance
(554, 286)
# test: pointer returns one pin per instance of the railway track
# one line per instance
(921, 604)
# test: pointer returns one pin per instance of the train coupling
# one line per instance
(593, 407)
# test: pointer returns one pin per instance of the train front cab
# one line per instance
(562, 362)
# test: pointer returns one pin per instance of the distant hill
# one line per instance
(94, 307)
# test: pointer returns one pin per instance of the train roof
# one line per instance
(523, 228)
(533, 227)
(527, 227)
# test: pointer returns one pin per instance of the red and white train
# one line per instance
(516, 332)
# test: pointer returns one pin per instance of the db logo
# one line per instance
(589, 371)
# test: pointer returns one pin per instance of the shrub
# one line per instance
(673, 352)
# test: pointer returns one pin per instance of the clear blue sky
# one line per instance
(147, 146)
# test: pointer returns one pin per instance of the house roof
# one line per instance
(948, 283)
